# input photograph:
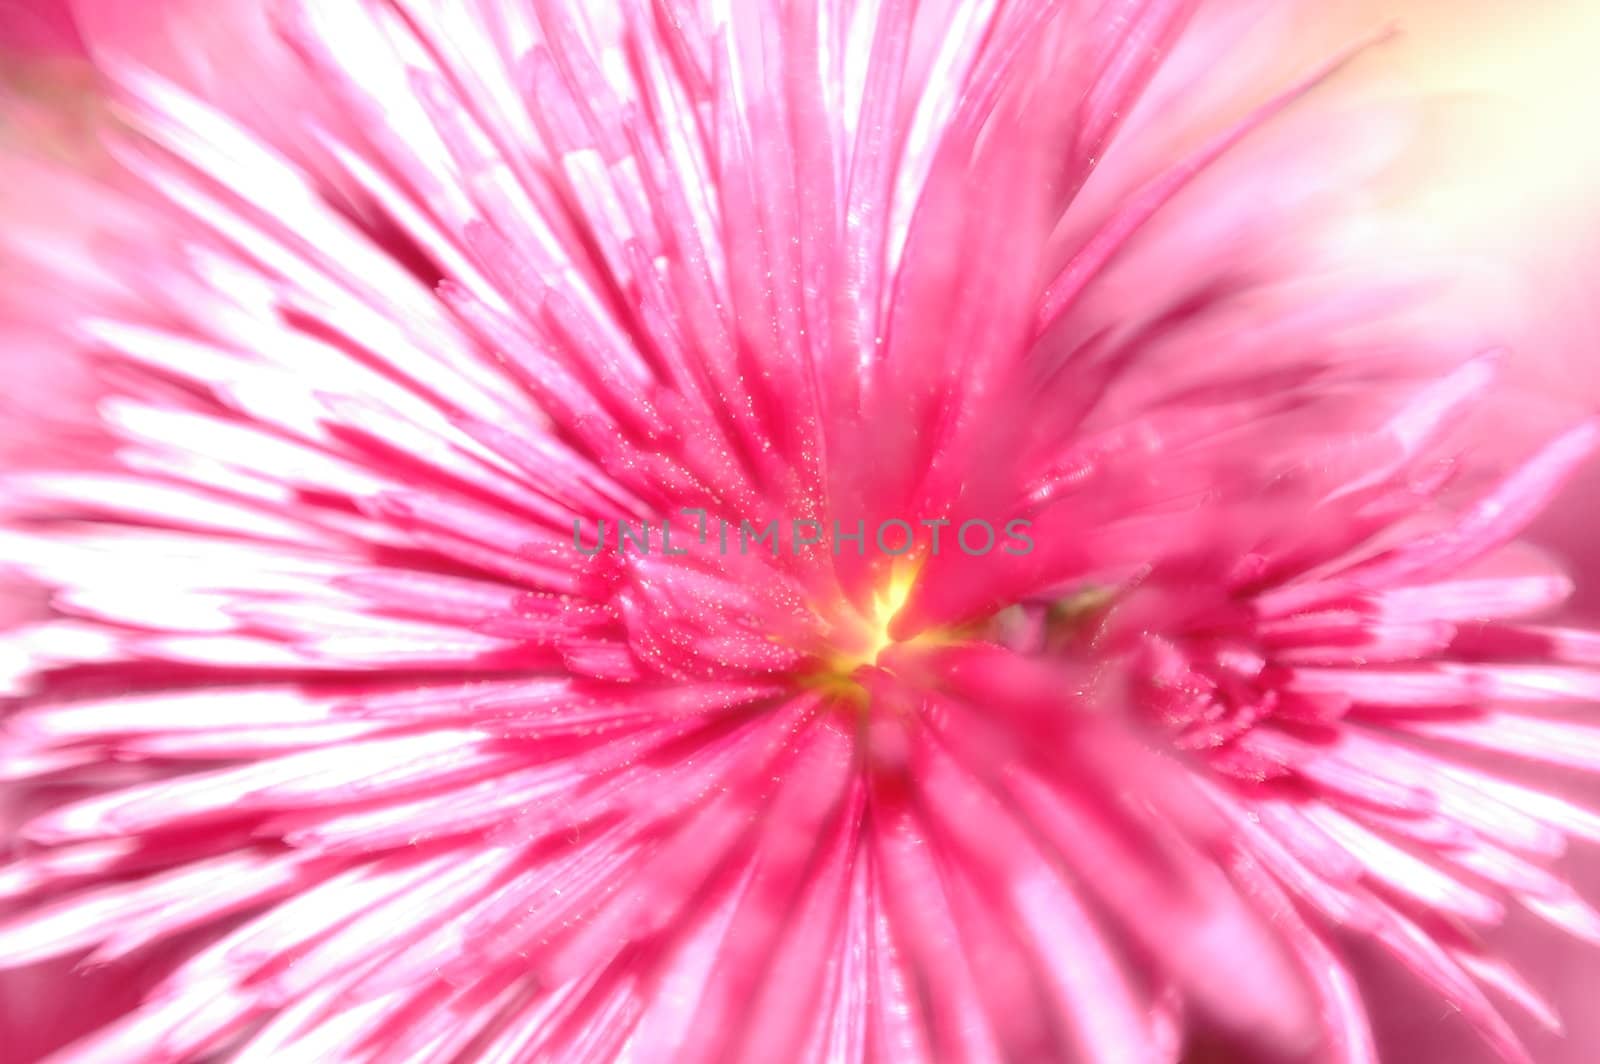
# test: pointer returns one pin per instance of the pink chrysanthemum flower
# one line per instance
(373, 715)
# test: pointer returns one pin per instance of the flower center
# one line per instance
(863, 639)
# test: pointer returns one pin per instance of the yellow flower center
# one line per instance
(865, 640)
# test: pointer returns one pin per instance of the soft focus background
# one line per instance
(1506, 167)
(1519, 82)
(1514, 159)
